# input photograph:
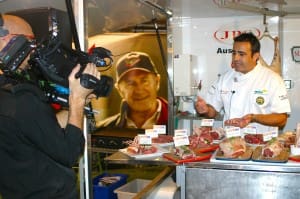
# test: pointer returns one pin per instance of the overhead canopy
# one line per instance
(115, 15)
(102, 15)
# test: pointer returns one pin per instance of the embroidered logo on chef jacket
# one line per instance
(261, 92)
(260, 99)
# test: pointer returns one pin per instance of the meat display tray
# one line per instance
(283, 157)
(245, 157)
(176, 159)
(207, 149)
(290, 163)
(160, 151)
(295, 158)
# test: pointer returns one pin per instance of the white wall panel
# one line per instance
(291, 69)
(203, 37)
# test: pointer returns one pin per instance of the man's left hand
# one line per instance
(239, 122)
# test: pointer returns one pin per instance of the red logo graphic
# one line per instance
(226, 36)
(296, 53)
(131, 62)
(222, 2)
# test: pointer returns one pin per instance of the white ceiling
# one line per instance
(103, 15)
(192, 8)
(215, 8)
(111, 15)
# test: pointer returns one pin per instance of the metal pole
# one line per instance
(84, 167)
(86, 188)
(84, 164)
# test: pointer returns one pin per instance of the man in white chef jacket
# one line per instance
(249, 93)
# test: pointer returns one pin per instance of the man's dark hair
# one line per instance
(252, 39)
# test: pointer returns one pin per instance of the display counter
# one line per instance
(121, 158)
(228, 179)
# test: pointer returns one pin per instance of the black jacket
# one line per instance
(36, 154)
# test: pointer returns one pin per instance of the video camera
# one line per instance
(55, 62)
(51, 63)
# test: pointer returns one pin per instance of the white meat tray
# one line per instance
(160, 151)
(250, 162)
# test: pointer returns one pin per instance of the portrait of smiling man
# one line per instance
(137, 83)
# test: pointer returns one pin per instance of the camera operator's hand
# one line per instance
(78, 94)
(74, 83)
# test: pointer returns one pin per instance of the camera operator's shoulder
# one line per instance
(15, 99)
(8, 102)
(28, 89)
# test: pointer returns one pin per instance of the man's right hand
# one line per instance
(78, 94)
(76, 89)
(201, 106)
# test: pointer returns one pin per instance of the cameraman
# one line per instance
(37, 155)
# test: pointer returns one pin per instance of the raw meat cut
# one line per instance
(233, 147)
(272, 149)
(276, 62)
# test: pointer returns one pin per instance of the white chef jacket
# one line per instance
(260, 91)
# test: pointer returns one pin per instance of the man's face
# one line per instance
(139, 89)
(242, 59)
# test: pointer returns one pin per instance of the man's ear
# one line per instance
(256, 56)
(157, 82)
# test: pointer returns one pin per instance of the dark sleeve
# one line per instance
(40, 127)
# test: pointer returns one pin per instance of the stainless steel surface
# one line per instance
(121, 158)
(180, 180)
(222, 184)
(219, 180)
(282, 167)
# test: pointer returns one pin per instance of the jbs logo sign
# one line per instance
(222, 2)
(226, 36)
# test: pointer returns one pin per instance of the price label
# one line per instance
(207, 122)
(144, 139)
(181, 140)
(153, 133)
(295, 150)
(274, 131)
(180, 132)
(249, 130)
(267, 136)
(232, 131)
(161, 129)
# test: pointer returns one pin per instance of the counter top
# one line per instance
(248, 165)
(121, 158)
(289, 167)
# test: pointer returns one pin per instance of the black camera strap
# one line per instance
(53, 25)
